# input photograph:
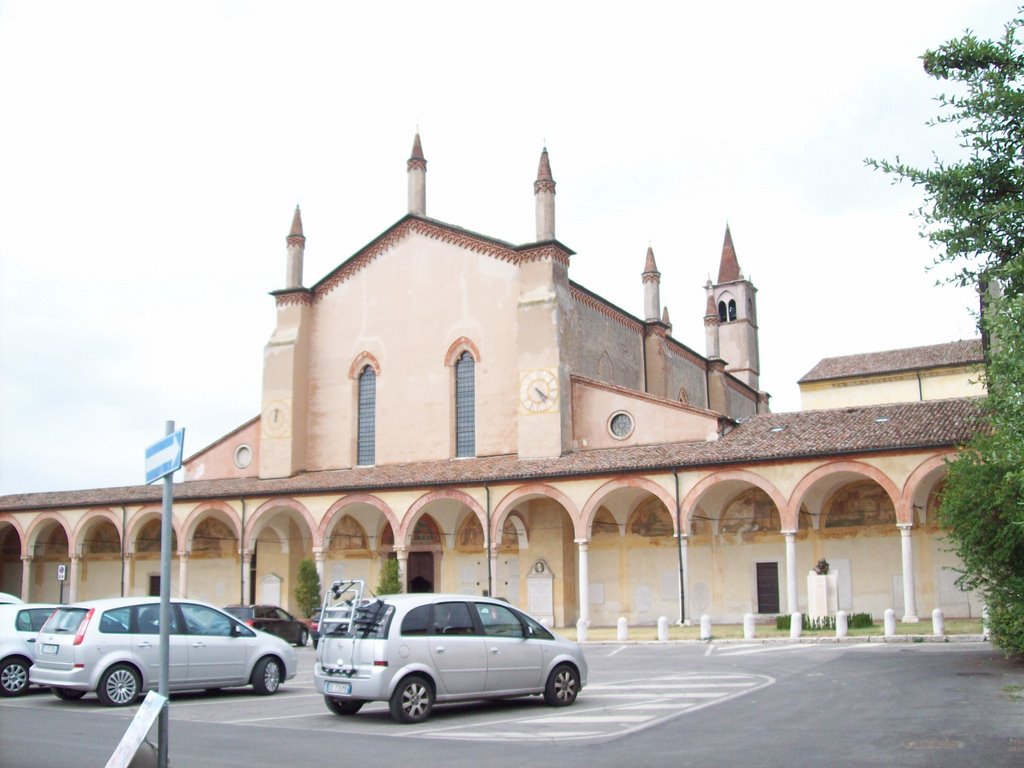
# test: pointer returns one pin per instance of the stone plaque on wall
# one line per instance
(540, 593)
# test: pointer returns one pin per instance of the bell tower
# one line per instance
(735, 299)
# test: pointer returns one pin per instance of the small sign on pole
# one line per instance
(62, 572)
(164, 456)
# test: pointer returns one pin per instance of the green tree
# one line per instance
(973, 212)
(389, 582)
(307, 591)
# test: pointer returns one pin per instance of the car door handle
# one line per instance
(198, 644)
(440, 649)
(495, 651)
(145, 644)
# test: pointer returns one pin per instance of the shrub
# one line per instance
(307, 591)
(389, 582)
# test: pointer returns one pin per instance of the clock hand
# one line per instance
(541, 395)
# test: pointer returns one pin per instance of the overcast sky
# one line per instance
(153, 153)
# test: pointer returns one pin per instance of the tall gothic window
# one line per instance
(465, 406)
(366, 451)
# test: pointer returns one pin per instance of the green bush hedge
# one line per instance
(854, 621)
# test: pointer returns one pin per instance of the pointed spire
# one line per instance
(650, 267)
(296, 230)
(417, 171)
(544, 199)
(664, 317)
(416, 160)
(729, 268)
(296, 249)
(711, 311)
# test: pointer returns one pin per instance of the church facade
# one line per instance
(519, 435)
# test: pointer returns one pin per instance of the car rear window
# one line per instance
(372, 620)
(239, 611)
(32, 619)
(65, 620)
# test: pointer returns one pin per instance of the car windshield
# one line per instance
(65, 620)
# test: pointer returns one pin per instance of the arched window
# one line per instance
(721, 311)
(367, 429)
(732, 309)
(465, 405)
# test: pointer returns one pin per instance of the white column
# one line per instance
(909, 594)
(792, 596)
(183, 574)
(73, 579)
(319, 557)
(126, 573)
(246, 567)
(583, 568)
(403, 566)
(26, 578)
(496, 586)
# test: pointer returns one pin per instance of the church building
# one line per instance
(519, 435)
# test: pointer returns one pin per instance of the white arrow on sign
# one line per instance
(164, 456)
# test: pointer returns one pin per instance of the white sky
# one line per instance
(153, 153)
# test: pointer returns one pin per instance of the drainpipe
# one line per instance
(241, 557)
(679, 549)
(487, 544)
(124, 524)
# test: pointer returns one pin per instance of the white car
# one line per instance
(417, 649)
(112, 647)
(19, 625)
(6, 598)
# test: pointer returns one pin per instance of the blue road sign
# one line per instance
(164, 456)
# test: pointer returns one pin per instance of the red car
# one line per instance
(272, 619)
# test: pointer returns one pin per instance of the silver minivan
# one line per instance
(414, 650)
(112, 647)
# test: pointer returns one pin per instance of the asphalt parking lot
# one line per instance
(645, 704)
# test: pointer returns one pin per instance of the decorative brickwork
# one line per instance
(590, 301)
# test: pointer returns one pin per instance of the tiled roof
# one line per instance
(967, 352)
(769, 437)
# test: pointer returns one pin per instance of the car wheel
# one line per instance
(67, 694)
(343, 706)
(303, 638)
(119, 686)
(13, 677)
(563, 686)
(266, 676)
(412, 700)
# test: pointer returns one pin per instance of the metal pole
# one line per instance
(679, 550)
(165, 612)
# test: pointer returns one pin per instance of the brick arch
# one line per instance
(642, 483)
(139, 519)
(460, 345)
(7, 517)
(89, 519)
(272, 506)
(337, 510)
(39, 523)
(513, 497)
(855, 467)
(362, 360)
(786, 516)
(197, 515)
(918, 476)
(417, 507)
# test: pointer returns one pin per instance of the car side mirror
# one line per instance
(236, 630)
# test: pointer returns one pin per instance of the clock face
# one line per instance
(276, 418)
(538, 391)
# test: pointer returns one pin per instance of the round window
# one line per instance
(243, 456)
(621, 425)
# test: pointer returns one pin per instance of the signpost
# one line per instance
(163, 459)
(62, 576)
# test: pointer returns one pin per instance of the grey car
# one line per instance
(112, 647)
(414, 650)
(19, 625)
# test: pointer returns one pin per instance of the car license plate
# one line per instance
(47, 648)
(343, 689)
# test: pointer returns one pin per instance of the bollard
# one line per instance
(938, 623)
(622, 629)
(662, 628)
(705, 627)
(842, 624)
(890, 622)
(581, 631)
(748, 626)
(796, 625)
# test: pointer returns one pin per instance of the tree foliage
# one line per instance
(307, 591)
(973, 212)
(389, 582)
